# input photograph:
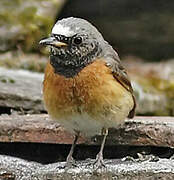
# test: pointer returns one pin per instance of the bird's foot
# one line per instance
(99, 162)
(70, 162)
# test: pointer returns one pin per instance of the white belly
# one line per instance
(89, 126)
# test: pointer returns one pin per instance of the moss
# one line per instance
(166, 87)
(170, 95)
(18, 60)
(26, 23)
(157, 86)
(5, 79)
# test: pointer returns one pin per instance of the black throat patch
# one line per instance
(69, 71)
(69, 64)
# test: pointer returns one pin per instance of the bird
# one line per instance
(86, 89)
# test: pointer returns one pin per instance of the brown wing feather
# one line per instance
(121, 76)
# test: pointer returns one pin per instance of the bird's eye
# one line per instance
(77, 40)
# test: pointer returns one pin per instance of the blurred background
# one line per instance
(142, 32)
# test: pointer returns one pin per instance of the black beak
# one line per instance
(52, 41)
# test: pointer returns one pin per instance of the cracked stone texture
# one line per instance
(18, 169)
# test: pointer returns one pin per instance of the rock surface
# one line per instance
(141, 131)
(21, 89)
(24, 23)
(153, 84)
(17, 169)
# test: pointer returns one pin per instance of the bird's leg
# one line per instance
(69, 159)
(99, 158)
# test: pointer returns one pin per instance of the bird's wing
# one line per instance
(120, 74)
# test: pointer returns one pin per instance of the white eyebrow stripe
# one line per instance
(60, 29)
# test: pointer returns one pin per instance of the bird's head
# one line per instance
(74, 44)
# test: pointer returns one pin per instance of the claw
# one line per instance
(70, 162)
(99, 163)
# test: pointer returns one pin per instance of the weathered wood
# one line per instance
(152, 131)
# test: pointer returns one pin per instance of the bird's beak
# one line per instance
(52, 41)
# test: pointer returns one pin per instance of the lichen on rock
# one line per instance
(23, 23)
(154, 87)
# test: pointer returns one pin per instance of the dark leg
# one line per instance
(99, 158)
(69, 159)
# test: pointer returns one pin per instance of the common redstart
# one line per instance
(86, 89)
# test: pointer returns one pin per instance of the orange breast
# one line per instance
(94, 91)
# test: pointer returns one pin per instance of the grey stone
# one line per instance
(21, 89)
(153, 86)
(115, 169)
(24, 23)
